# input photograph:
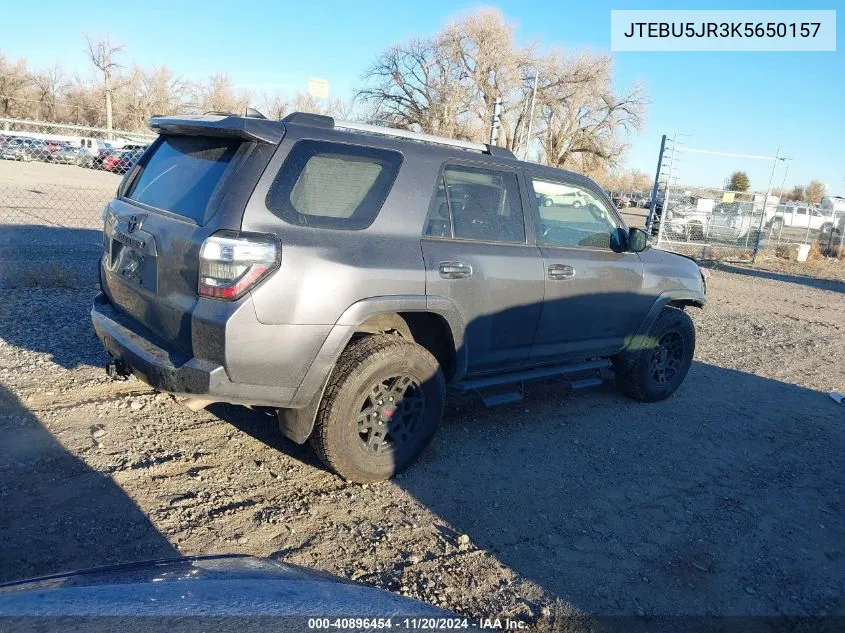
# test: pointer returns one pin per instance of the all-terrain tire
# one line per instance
(670, 339)
(373, 365)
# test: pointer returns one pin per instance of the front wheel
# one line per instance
(653, 369)
(380, 409)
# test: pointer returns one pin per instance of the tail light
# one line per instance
(232, 263)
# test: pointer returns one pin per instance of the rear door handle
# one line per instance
(455, 270)
(561, 271)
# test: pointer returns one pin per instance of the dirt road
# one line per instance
(725, 499)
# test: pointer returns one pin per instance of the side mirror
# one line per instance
(619, 240)
(637, 240)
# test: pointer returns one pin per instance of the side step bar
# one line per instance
(536, 374)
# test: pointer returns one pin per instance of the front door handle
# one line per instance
(455, 270)
(561, 271)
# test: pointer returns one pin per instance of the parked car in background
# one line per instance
(69, 155)
(17, 149)
(833, 207)
(621, 201)
(687, 217)
(800, 217)
(566, 199)
(39, 148)
(120, 161)
(733, 221)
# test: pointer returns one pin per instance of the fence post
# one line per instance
(652, 205)
(765, 204)
(665, 211)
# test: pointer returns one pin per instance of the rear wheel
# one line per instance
(776, 225)
(659, 365)
(381, 407)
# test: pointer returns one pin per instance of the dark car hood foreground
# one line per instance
(210, 593)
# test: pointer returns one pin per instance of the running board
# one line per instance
(536, 374)
(495, 399)
(583, 383)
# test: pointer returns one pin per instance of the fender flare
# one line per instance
(297, 422)
(657, 307)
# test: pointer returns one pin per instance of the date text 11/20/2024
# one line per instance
(421, 624)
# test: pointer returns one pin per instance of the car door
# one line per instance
(478, 257)
(593, 295)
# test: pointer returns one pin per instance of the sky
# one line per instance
(749, 103)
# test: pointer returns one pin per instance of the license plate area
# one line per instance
(132, 264)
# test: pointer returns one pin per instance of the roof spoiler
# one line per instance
(223, 125)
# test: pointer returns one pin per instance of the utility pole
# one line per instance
(531, 116)
(494, 127)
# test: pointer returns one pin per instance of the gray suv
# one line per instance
(348, 275)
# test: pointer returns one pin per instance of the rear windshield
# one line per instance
(333, 185)
(182, 173)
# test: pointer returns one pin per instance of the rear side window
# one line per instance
(182, 174)
(475, 203)
(333, 185)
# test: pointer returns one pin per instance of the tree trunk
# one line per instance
(109, 134)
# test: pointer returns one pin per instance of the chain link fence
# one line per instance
(54, 182)
(712, 222)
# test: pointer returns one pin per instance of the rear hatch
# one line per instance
(193, 181)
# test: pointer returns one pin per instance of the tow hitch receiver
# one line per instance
(117, 370)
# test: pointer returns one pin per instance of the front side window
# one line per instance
(571, 215)
(475, 203)
(333, 185)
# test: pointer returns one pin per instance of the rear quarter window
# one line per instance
(333, 185)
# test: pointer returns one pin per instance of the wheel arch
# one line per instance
(678, 299)
(438, 328)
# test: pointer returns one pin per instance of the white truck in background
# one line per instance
(801, 216)
(834, 208)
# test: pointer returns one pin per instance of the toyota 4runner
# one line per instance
(347, 275)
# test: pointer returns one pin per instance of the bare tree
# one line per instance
(583, 123)
(446, 84)
(14, 80)
(417, 86)
(49, 85)
(103, 56)
(814, 192)
(274, 105)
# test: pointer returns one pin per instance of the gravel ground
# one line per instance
(725, 499)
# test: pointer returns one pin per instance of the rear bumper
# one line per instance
(161, 368)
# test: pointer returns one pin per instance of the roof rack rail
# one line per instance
(414, 136)
(320, 120)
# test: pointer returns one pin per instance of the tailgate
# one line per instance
(185, 188)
